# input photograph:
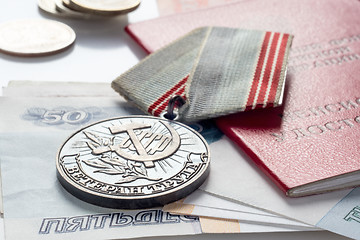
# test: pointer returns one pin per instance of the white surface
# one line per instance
(101, 52)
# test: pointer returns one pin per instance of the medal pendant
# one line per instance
(133, 162)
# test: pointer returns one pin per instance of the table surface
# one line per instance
(102, 52)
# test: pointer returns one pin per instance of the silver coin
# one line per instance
(35, 37)
(48, 6)
(64, 10)
(103, 7)
(133, 162)
(56, 7)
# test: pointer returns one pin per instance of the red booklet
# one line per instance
(312, 143)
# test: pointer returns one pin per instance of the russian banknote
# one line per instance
(336, 211)
(221, 225)
(65, 121)
(201, 203)
(32, 131)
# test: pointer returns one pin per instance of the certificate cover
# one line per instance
(312, 143)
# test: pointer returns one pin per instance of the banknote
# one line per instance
(221, 225)
(36, 203)
(32, 131)
(33, 121)
(334, 218)
(18, 88)
(201, 203)
(51, 89)
(78, 89)
(274, 222)
(255, 190)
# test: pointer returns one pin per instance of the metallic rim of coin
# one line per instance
(133, 162)
(103, 7)
(35, 37)
(49, 6)
(56, 8)
(61, 7)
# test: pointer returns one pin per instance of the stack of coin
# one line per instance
(88, 8)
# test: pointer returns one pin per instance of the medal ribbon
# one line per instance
(218, 71)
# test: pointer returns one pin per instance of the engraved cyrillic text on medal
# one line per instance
(133, 162)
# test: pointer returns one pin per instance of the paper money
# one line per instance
(181, 208)
(344, 217)
(333, 220)
(210, 206)
(43, 119)
(216, 225)
(242, 218)
(49, 121)
(220, 225)
(255, 190)
(58, 89)
(32, 131)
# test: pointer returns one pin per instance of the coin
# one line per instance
(56, 7)
(35, 37)
(103, 7)
(48, 6)
(133, 162)
(60, 7)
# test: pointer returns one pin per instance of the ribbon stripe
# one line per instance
(279, 69)
(259, 69)
(228, 70)
(164, 99)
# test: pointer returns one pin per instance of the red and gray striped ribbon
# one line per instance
(218, 71)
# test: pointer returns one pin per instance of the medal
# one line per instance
(133, 162)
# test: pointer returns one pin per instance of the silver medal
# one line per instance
(133, 162)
